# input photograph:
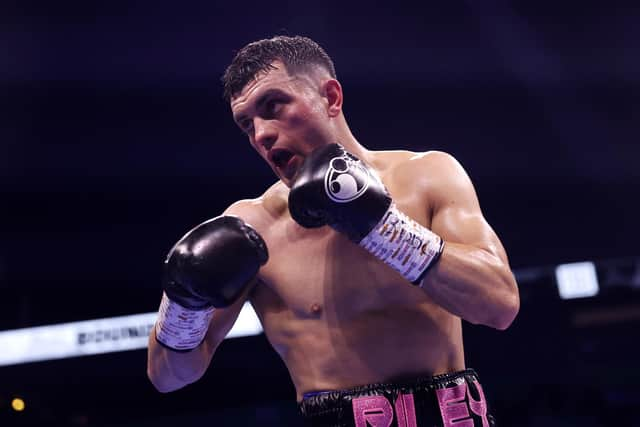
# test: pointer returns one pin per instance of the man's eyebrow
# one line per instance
(261, 100)
(266, 95)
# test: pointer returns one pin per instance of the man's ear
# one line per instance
(333, 94)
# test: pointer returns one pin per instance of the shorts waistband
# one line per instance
(440, 400)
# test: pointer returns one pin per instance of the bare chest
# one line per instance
(318, 273)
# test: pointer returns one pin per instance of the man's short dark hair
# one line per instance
(297, 53)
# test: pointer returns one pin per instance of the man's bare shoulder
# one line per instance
(261, 211)
(435, 174)
(414, 163)
(439, 165)
(434, 157)
(384, 159)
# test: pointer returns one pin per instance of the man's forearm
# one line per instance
(474, 285)
(170, 370)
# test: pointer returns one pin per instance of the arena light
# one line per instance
(17, 404)
(577, 280)
(95, 337)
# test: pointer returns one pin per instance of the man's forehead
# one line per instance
(276, 74)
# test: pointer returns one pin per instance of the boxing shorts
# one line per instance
(448, 400)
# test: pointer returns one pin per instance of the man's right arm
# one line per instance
(209, 274)
(170, 370)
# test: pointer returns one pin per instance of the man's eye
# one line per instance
(246, 126)
(272, 106)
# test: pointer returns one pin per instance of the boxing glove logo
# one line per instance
(346, 179)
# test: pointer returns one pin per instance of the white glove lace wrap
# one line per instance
(180, 328)
(403, 244)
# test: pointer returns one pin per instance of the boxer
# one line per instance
(360, 264)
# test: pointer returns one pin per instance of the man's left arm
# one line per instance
(472, 278)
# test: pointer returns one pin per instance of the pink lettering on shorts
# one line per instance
(376, 411)
(454, 407)
(406, 411)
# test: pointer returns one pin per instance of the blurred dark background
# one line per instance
(114, 140)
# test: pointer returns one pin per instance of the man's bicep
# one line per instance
(456, 225)
(457, 216)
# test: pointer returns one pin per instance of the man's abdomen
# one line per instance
(332, 353)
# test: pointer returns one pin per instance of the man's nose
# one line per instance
(265, 133)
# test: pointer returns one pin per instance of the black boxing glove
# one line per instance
(333, 187)
(208, 268)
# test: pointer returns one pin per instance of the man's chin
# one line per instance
(288, 176)
(287, 181)
(283, 178)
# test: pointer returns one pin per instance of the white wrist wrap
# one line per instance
(180, 328)
(403, 244)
